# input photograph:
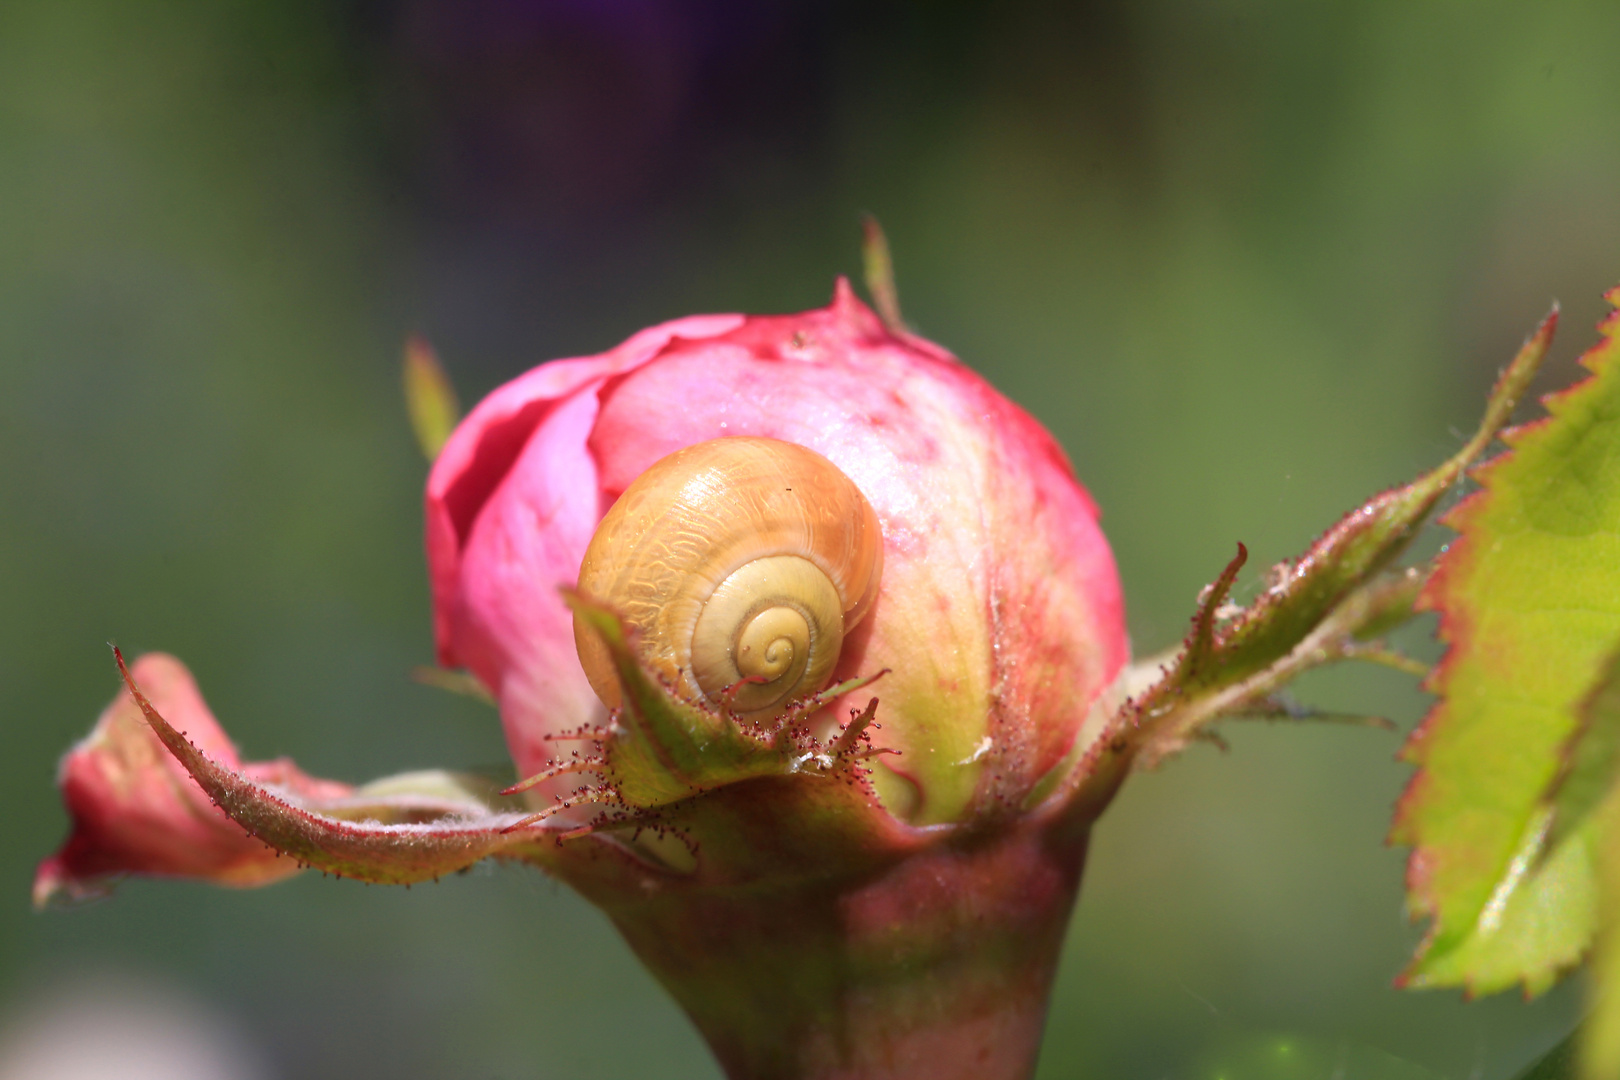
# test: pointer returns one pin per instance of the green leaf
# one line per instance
(1587, 789)
(1600, 1034)
(1529, 602)
(1591, 762)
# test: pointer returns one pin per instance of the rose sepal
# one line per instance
(396, 831)
(659, 749)
(1331, 603)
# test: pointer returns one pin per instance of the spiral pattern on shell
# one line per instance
(741, 563)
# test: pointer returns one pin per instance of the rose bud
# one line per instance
(859, 500)
(997, 612)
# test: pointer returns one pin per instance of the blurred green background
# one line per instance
(1250, 260)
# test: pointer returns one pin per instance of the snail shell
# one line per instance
(736, 559)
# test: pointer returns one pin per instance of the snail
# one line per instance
(740, 563)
